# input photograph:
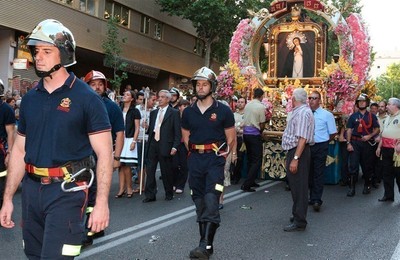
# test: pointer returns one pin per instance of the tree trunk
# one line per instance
(208, 54)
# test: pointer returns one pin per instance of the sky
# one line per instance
(381, 17)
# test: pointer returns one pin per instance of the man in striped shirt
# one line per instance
(298, 135)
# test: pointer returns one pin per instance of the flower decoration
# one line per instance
(343, 32)
(230, 80)
(269, 108)
(362, 49)
(340, 81)
(239, 48)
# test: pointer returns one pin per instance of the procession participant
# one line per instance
(7, 129)
(239, 114)
(296, 140)
(98, 82)
(362, 126)
(378, 170)
(62, 121)
(253, 126)
(389, 149)
(164, 139)
(324, 131)
(174, 102)
(209, 134)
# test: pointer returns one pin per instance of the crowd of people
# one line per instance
(72, 135)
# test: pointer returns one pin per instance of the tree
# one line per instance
(112, 47)
(214, 20)
(388, 83)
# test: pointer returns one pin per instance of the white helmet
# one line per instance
(53, 32)
(205, 74)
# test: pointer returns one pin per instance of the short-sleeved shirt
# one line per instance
(57, 125)
(300, 125)
(324, 125)
(115, 116)
(366, 128)
(254, 114)
(391, 127)
(209, 127)
(7, 117)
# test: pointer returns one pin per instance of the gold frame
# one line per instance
(319, 47)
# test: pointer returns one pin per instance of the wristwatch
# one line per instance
(296, 157)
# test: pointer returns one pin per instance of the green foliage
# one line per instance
(214, 20)
(112, 47)
(388, 83)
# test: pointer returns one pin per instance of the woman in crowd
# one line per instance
(129, 155)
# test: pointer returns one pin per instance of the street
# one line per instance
(251, 228)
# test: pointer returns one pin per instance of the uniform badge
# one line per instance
(213, 117)
(64, 105)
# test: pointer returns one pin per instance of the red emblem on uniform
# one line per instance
(213, 117)
(64, 105)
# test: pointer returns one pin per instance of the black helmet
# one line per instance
(53, 32)
(205, 74)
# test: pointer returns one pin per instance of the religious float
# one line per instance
(336, 61)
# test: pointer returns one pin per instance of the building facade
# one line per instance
(161, 51)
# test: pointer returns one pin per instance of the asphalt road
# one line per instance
(345, 228)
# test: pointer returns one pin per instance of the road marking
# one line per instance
(230, 197)
(396, 254)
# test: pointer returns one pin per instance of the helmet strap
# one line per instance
(204, 97)
(43, 74)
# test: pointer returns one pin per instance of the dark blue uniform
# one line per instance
(363, 153)
(57, 128)
(206, 170)
(7, 117)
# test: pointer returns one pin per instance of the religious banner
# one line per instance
(23, 50)
(278, 6)
(315, 5)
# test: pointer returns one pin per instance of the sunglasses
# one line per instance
(313, 98)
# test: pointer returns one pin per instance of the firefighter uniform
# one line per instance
(56, 127)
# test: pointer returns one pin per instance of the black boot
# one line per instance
(367, 187)
(200, 252)
(211, 228)
(352, 186)
(205, 248)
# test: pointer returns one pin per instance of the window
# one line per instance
(158, 30)
(89, 6)
(120, 12)
(145, 24)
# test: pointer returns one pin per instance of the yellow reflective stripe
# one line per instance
(191, 192)
(215, 148)
(89, 210)
(3, 173)
(219, 187)
(71, 250)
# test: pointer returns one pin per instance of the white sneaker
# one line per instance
(178, 191)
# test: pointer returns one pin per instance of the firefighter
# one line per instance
(98, 82)
(61, 122)
(208, 130)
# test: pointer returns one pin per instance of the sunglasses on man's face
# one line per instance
(313, 98)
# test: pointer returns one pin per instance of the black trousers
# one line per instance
(167, 174)
(180, 167)
(254, 145)
(363, 155)
(298, 184)
(390, 173)
(319, 152)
